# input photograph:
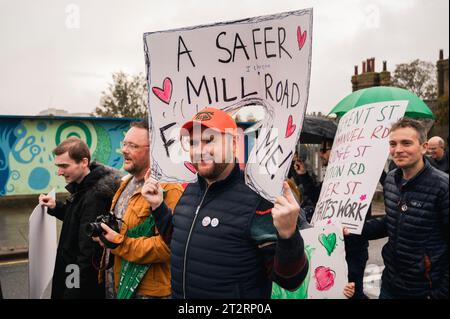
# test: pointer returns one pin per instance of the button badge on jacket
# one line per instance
(206, 221)
(214, 222)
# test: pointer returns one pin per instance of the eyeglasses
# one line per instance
(323, 150)
(131, 146)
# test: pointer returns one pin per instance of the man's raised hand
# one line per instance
(285, 213)
(152, 191)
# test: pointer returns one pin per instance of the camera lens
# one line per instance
(93, 229)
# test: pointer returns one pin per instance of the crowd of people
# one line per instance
(137, 237)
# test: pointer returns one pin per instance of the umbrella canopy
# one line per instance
(416, 107)
(316, 129)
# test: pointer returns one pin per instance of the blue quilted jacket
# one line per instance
(416, 223)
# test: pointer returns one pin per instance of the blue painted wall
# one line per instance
(26, 144)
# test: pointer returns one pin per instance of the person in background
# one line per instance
(436, 149)
(356, 248)
(306, 182)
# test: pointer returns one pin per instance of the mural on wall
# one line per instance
(26, 159)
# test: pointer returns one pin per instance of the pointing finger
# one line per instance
(147, 175)
(287, 193)
(282, 201)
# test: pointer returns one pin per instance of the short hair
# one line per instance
(411, 123)
(143, 123)
(76, 148)
(439, 139)
(325, 144)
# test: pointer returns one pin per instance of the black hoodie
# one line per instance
(88, 199)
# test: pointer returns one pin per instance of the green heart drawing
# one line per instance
(328, 241)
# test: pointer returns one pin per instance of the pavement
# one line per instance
(14, 232)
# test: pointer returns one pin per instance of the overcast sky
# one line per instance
(61, 54)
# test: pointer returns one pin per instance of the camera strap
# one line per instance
(107, 243)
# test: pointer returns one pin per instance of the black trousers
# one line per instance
(356, 261)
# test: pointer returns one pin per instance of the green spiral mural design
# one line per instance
(103, 149)
(26, 145)
(77, 129)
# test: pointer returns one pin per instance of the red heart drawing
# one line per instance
(166, 93)
(290, 128)
(190, 167)
(301, 38)
(324, 278)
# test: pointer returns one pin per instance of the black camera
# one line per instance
(95, 229)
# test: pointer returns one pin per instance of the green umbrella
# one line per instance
(416, 107)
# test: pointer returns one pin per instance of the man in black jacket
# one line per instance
(226, 240)
(91, 187)
(436, 149)
(416, 220)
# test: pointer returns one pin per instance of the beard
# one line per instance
(131, 169)
(135, 168)
(212, 172)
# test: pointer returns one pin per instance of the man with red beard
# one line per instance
(138, 246)
(226, 240)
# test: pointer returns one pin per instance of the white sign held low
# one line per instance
(42, 246)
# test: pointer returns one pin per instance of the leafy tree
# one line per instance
(125, 97)
(418, 77)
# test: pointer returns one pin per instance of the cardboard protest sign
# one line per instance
(262, 61)
(42, 245)
(327, 274)
(359, 153)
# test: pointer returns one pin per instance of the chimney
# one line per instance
(442, 74)
(384, 66)
(356, 70)
(364, 67)
(371, 65)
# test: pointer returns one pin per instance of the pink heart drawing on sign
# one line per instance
(301, 38)
(324, 278)
(165, 93)
(290, 128)
(190, 167)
